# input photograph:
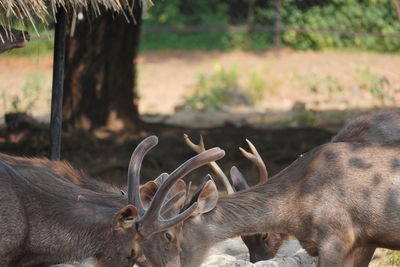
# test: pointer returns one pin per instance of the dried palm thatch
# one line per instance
(40, 10)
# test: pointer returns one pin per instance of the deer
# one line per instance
(11, 38)
(40, 225)
(161, 249)
(371, 128)
(261, 246)
(334, 199)
(380, 128)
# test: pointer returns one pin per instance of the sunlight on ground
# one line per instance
(285, 86)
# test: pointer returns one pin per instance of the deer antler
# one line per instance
(134, 171)
(151, 222)
(255, 157)
(213, 165)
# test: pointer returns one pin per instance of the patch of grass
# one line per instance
(392, 258)
(376, 85)
(305, 118)
(27, 98)
(41, 45)
(214, 91)
(206, 41)
(222, 89)
(258, 85)
(324, 85)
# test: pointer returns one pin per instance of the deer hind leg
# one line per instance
(363, 256)
(334, 252)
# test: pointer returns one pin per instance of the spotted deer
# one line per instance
(381, 128)
(11, 38)
(63, 222)
(334, 199)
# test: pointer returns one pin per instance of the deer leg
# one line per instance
(349, 260)
(332, 253)
(363, 256)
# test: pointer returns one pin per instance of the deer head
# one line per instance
(11, 38)
(260, 246)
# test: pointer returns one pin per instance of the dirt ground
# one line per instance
(288, 78)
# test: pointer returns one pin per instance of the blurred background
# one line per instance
(286, 74)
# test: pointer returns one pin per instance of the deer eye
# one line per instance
(169, 236)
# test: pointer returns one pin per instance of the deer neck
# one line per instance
(247, 212)
(257, 210)
(78, 229)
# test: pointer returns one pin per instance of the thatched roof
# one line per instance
(40, 10)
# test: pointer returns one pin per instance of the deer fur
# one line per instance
(379, 128)
(161, 249)
(39, 226)
(334, 199)
(47, 176)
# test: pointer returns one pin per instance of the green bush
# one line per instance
(376, 16)
(214, 91)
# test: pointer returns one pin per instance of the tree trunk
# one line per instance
(100, 73)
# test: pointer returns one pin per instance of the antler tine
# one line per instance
(255, 157)
(170, 202)
(213, 165)
(196, 148)
(188, 192)
(134, 171)
(150, 222)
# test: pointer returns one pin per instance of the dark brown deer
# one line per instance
(261, 246)
(334, 199)
(70, 223)
(161, 249)
(11, 38)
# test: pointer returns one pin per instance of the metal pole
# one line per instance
(58, 83)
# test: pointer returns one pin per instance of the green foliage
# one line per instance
(222, 89)
(180, 13)
(375, 84)
(322, 85)
(214, 91)
(376, 16)
(392, 258)
(27, 99)
(206, 41)
(258, 86)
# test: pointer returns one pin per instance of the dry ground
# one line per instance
(166, 77)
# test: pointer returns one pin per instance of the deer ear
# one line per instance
(178, 188)
(207, 199)
(147, 192)
(125, 217)
(238, 180)
(175, 199)
(160, 179)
